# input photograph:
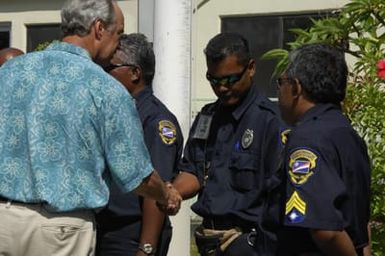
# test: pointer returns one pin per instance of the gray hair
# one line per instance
(322, 71)
(135, 49)
(78, 15)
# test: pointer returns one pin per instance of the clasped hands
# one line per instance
(174, 201)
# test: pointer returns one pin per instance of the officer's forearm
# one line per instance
(333, 242)
(187, 184)
(153, 187)
(152, 223)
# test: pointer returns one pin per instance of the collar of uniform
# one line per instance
(142, 95)
(314, 112)
(71, 48)
(246, 102)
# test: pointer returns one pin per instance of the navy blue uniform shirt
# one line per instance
(328, 180)
(164, 140)
(237, 163)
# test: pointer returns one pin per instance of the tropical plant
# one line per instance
(44, 45)
(358, 29)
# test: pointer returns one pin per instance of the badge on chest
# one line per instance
(247, 138)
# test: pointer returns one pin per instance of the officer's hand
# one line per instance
(174, 201)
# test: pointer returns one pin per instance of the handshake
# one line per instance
(173, 200)
(167, 197)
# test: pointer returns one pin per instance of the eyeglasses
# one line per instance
(229, 80)
(110, 67)
(281, 80)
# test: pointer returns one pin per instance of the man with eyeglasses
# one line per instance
(133, 225)
(230, 158)
(326, 203)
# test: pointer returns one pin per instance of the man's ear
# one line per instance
(99, 27)
(251, 67)
(296, 88)
(136, 74)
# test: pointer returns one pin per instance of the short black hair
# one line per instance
(139, 52)
(321, 70)
(226, 44)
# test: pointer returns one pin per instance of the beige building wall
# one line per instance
(206, 23)
(207, 18)
(20, 13)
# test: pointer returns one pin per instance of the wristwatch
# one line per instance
(147, 248)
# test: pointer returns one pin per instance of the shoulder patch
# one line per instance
(295, 208)
(167, 132)
(302, 165)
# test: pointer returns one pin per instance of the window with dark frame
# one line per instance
(265, 33)
(38, 34)
(5, 37)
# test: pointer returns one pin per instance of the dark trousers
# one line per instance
(123, 240)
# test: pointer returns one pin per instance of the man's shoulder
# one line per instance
(265, 104)
(327, 122)
(209, 108)
(157, 111)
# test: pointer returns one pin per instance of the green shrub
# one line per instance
(43, 45)
(359, 30)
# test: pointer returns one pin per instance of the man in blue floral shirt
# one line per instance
(63, 122)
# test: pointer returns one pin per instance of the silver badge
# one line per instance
(247, 138)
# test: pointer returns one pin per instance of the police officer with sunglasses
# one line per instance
(230, 157)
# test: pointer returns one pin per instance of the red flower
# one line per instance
(381, 69)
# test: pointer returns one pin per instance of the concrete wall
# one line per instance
(21, 13)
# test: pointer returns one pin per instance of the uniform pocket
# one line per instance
(244, 171)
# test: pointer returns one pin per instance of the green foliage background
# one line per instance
(359, 30)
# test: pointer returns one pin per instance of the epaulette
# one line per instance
(209, 109)
(268, 105)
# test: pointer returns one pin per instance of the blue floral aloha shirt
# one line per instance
(65, 123)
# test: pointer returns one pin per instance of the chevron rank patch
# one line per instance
(167, 132)
(302, 164)
(295, 208)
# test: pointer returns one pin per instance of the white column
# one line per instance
(172, 46)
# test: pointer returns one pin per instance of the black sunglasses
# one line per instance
(110, 67)
(229, 80)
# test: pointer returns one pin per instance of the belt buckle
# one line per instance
(250, 235)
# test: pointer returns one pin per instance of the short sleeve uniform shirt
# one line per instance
(328, 180)
(233, 152)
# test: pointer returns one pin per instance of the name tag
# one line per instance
(202, 129)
